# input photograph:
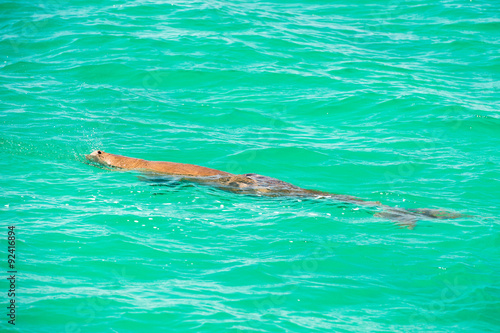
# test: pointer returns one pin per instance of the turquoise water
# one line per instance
(396, 102)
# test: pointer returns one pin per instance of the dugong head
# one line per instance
(115, 161)
(102, 158)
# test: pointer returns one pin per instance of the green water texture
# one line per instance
(393, 101)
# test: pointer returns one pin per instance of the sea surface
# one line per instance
(395, 101)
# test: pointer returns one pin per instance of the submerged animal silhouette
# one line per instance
(252, 183)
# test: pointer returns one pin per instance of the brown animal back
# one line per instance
(183, 169)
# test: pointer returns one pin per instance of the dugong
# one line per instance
(256, 184)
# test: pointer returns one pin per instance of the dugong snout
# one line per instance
(93, 156)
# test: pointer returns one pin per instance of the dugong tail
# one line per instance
(409, 217)
(437, 213)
